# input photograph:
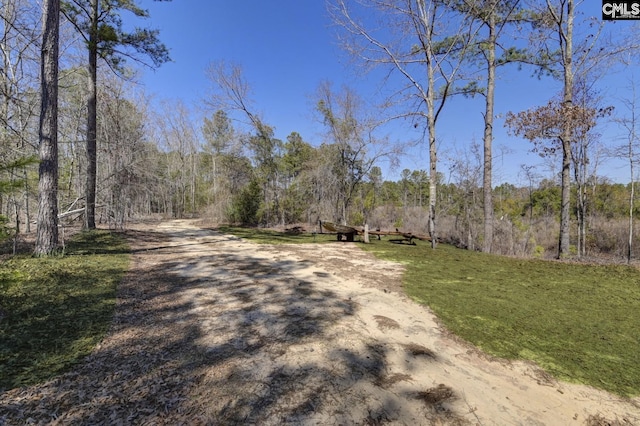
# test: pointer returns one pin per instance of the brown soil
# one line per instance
(211, 329)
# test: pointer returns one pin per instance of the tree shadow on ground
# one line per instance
(225, 338)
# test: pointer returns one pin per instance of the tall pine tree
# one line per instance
(100, 25)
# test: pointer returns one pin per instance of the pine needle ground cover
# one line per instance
(579, 322)
(54, 310)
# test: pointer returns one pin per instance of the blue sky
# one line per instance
(287, 47)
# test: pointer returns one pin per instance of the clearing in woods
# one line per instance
(211, 329)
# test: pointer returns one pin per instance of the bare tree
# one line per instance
(72, 104)
(219, 135)
(629, 151)
(530, 174)
(466, 171)
(231, 93)
(179, 135)
(19, 67)
(424, 44)
(120, 171)
(352, 140)
(584, 154)
(47, 233)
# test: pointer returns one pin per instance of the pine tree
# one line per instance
(47, 228)
(100, 24)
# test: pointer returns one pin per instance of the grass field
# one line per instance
(579, 322)
(56, 309)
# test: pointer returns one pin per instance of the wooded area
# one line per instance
(118, 158)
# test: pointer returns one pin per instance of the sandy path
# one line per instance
(303, 334)
(358, 353)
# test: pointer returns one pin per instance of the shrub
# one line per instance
(245, 206)
(538, 251)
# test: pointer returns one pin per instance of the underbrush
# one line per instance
(54, 310)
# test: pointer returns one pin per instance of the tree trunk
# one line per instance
(632, 195)
(92, 124)
(567, 52)
(427, 16)
(5, 48)
(488, 132)
(47, 223)
(27, 204)
(563, 246)
(580, 172)
(433, 181)
(214, 179)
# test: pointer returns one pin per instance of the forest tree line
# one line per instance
(164, 163)
(116, 158)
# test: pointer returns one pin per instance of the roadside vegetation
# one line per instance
(54, 310)
(577, 321)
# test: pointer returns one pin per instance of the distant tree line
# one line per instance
(164, 163)
(112, 158)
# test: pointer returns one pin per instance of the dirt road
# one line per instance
(211, 329)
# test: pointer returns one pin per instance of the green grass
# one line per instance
(579, 322)
(57, 309)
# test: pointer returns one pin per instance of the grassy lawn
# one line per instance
(579, 322)
(55, 310)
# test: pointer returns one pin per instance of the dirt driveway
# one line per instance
(211, 329)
